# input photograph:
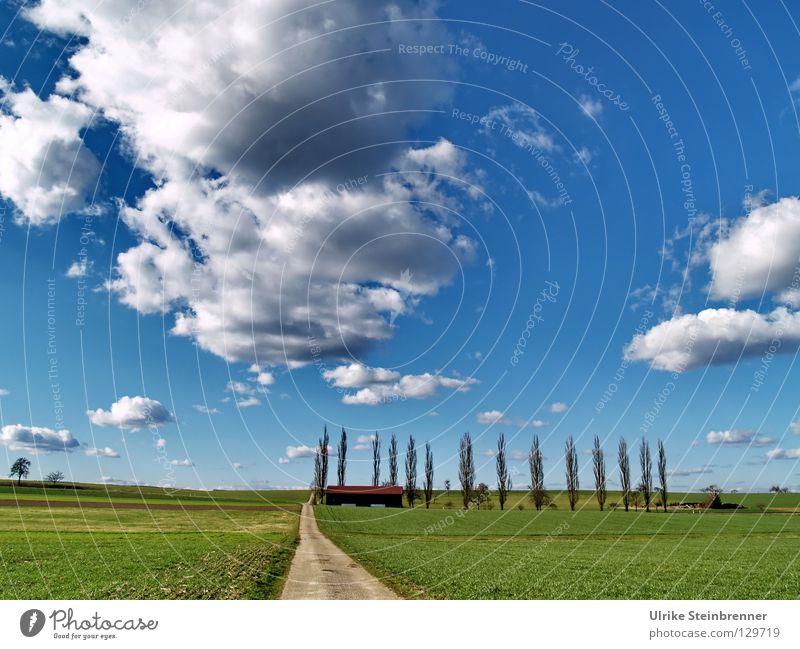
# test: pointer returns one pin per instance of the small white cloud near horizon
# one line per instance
(491, 417)
(186, 462)
(559, 407)
(132, 413)
(4, 392)
(205, 409)
(101, 452)
(784, 454)
(739, 436)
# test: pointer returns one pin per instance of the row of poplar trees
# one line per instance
(539, 495)
(411, 492)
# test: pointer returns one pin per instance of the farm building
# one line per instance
(364, 496)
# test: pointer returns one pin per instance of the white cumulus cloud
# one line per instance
(36, 439)
(132, 413)
(44, 167)
(376, 385)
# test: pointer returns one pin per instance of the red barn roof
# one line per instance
(364, 489)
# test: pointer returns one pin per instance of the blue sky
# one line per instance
(223, 228)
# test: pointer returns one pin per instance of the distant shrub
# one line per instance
(612, 505)
(552, 505)
(448, 505)
(520, 507)
(489, 505)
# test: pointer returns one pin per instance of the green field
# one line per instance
(588, 554)
(91, 553)
(94, 492)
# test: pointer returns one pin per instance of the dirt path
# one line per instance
(320, 570)
(106, 504)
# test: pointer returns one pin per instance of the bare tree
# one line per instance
(411, 471)
(571, 460)
(624, 472)
(376, 460)
(393, 460)
(21, 468)
(466, 469)
(535, 461)
(428, 485)
(502, 470)
(54, 477)
(662, 473)
(342, 466)
(446, 487)
(646, 465)
(325, 445)
(599, 463)
(318, 484)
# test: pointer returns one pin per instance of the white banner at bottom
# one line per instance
(393, 624)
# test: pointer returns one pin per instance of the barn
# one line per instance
(364, 496)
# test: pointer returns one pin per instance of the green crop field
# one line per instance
(588, 554)
(108, 553)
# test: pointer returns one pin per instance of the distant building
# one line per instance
(364, 496)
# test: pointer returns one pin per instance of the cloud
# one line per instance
(300, 452)
(795, 427)
(715, 335)
(524, 122)
(237, 465)
(543, 201)
(44, 167)
(590, 107)
(365, 439)
(558, 407)
(132, 413)
(101, 452)
(738, 436)
(583, 155)
(36, 439)
(186, 462)
(376, 385)
(758, 253)
(784, 454)
(683, 473)
(4, 392)
(205, 409)
(79, 268)
(248, 402)
(750, 257)
(289, 128)
(105, 479)
(160, 443)
(491, 417)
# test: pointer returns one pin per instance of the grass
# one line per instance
(557, 554)
(76, 491)
(69, 553)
